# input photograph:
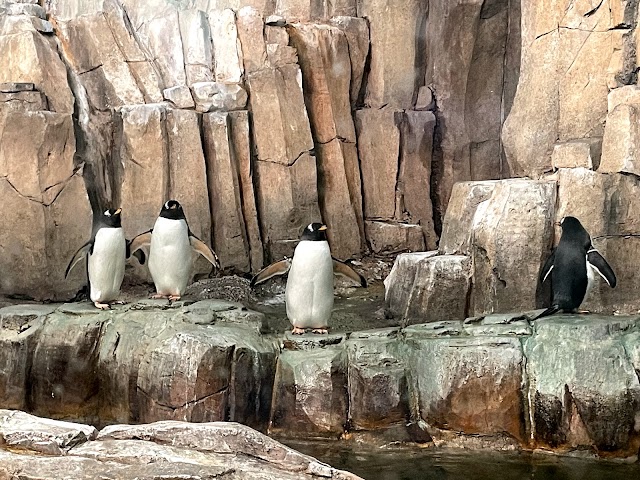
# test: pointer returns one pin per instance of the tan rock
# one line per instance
(357, 32)
(393, 237)
(250, 27)
(28, 57)
(23, 101)
(577, 153)
(212, 96)
(393, 77)
(324, 54)
(425, 100)
(569, 64)
(196, 45)
(229, 232)
(276, 35)
(39, 191)
(287, 201)
(143, 175)
(413, 191)
(187, 171)
(627, 94)
(457, 227)
(26, 9)
(511, 240)
(439, 289)
(281, 55)
(226, 46)
(621, 135)
(378, 147)
(180, 96)
(241, 148)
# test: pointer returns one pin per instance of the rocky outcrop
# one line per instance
(157, 450)
(499, 381)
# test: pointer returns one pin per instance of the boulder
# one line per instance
(512, 236)
(576, 398)
(357, 32)
(577, 153)
(310, 393)
(469, 385)
(179, 96)
(378, 396)
(457, 227)
(250, 26)
(39, 191)
(393, 237)
(211, 96)
(426, 287)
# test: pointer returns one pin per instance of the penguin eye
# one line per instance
(107, 213)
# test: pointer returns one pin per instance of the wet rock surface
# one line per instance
(500, 381)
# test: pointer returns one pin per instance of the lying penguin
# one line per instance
(309, 290)
(572, 267)
(170, 245)
(106, 253)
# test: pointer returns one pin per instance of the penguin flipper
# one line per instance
(278, 268)
(139, 241)
(548, 266)
(79, 255)
(203, 249)
(344, 270)
(601, 266)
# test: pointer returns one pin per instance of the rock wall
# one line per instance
(505, 382)
(259, 116)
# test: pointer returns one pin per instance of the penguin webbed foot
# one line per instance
(582, 312)
(159, 296)
(102, 306)
(320, 331)
(174, 298)
(297, 331)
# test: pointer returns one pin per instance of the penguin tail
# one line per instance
(549, 311)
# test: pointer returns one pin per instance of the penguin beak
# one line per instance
(322, 228)
(118, 211)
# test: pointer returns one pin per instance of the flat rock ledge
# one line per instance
(36, 448)
(562, 384)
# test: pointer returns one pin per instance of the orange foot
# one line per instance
(173, 298)
(157, 296)
(297, 331)
(102, 306)
(322, 331)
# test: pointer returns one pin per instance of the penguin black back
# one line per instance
(569, 266)
(315, 232)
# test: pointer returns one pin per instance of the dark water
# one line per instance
(428, 464)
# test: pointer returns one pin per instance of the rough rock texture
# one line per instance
(167, 449)
(499, 381)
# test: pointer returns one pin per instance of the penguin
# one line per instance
(171, 243)
(106, 253)
(572, 267)
(309, 290)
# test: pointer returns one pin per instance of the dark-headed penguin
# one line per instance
(106, 253)
(309, 290)
(572, 267)
(171, 244)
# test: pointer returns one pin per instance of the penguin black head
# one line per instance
(315, 232)
(111, 218)
(172, 210)
(573, 230)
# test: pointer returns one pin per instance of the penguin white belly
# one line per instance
(309, 291)
(170, 256)
(591, 278)
(106, 264)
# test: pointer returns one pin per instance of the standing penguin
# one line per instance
(106, 254)
(170, 259)
(572, 266)
(309, 291)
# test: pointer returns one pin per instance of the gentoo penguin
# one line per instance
(572, 267)
(106, 254)
(309, 291)
(170, 253)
